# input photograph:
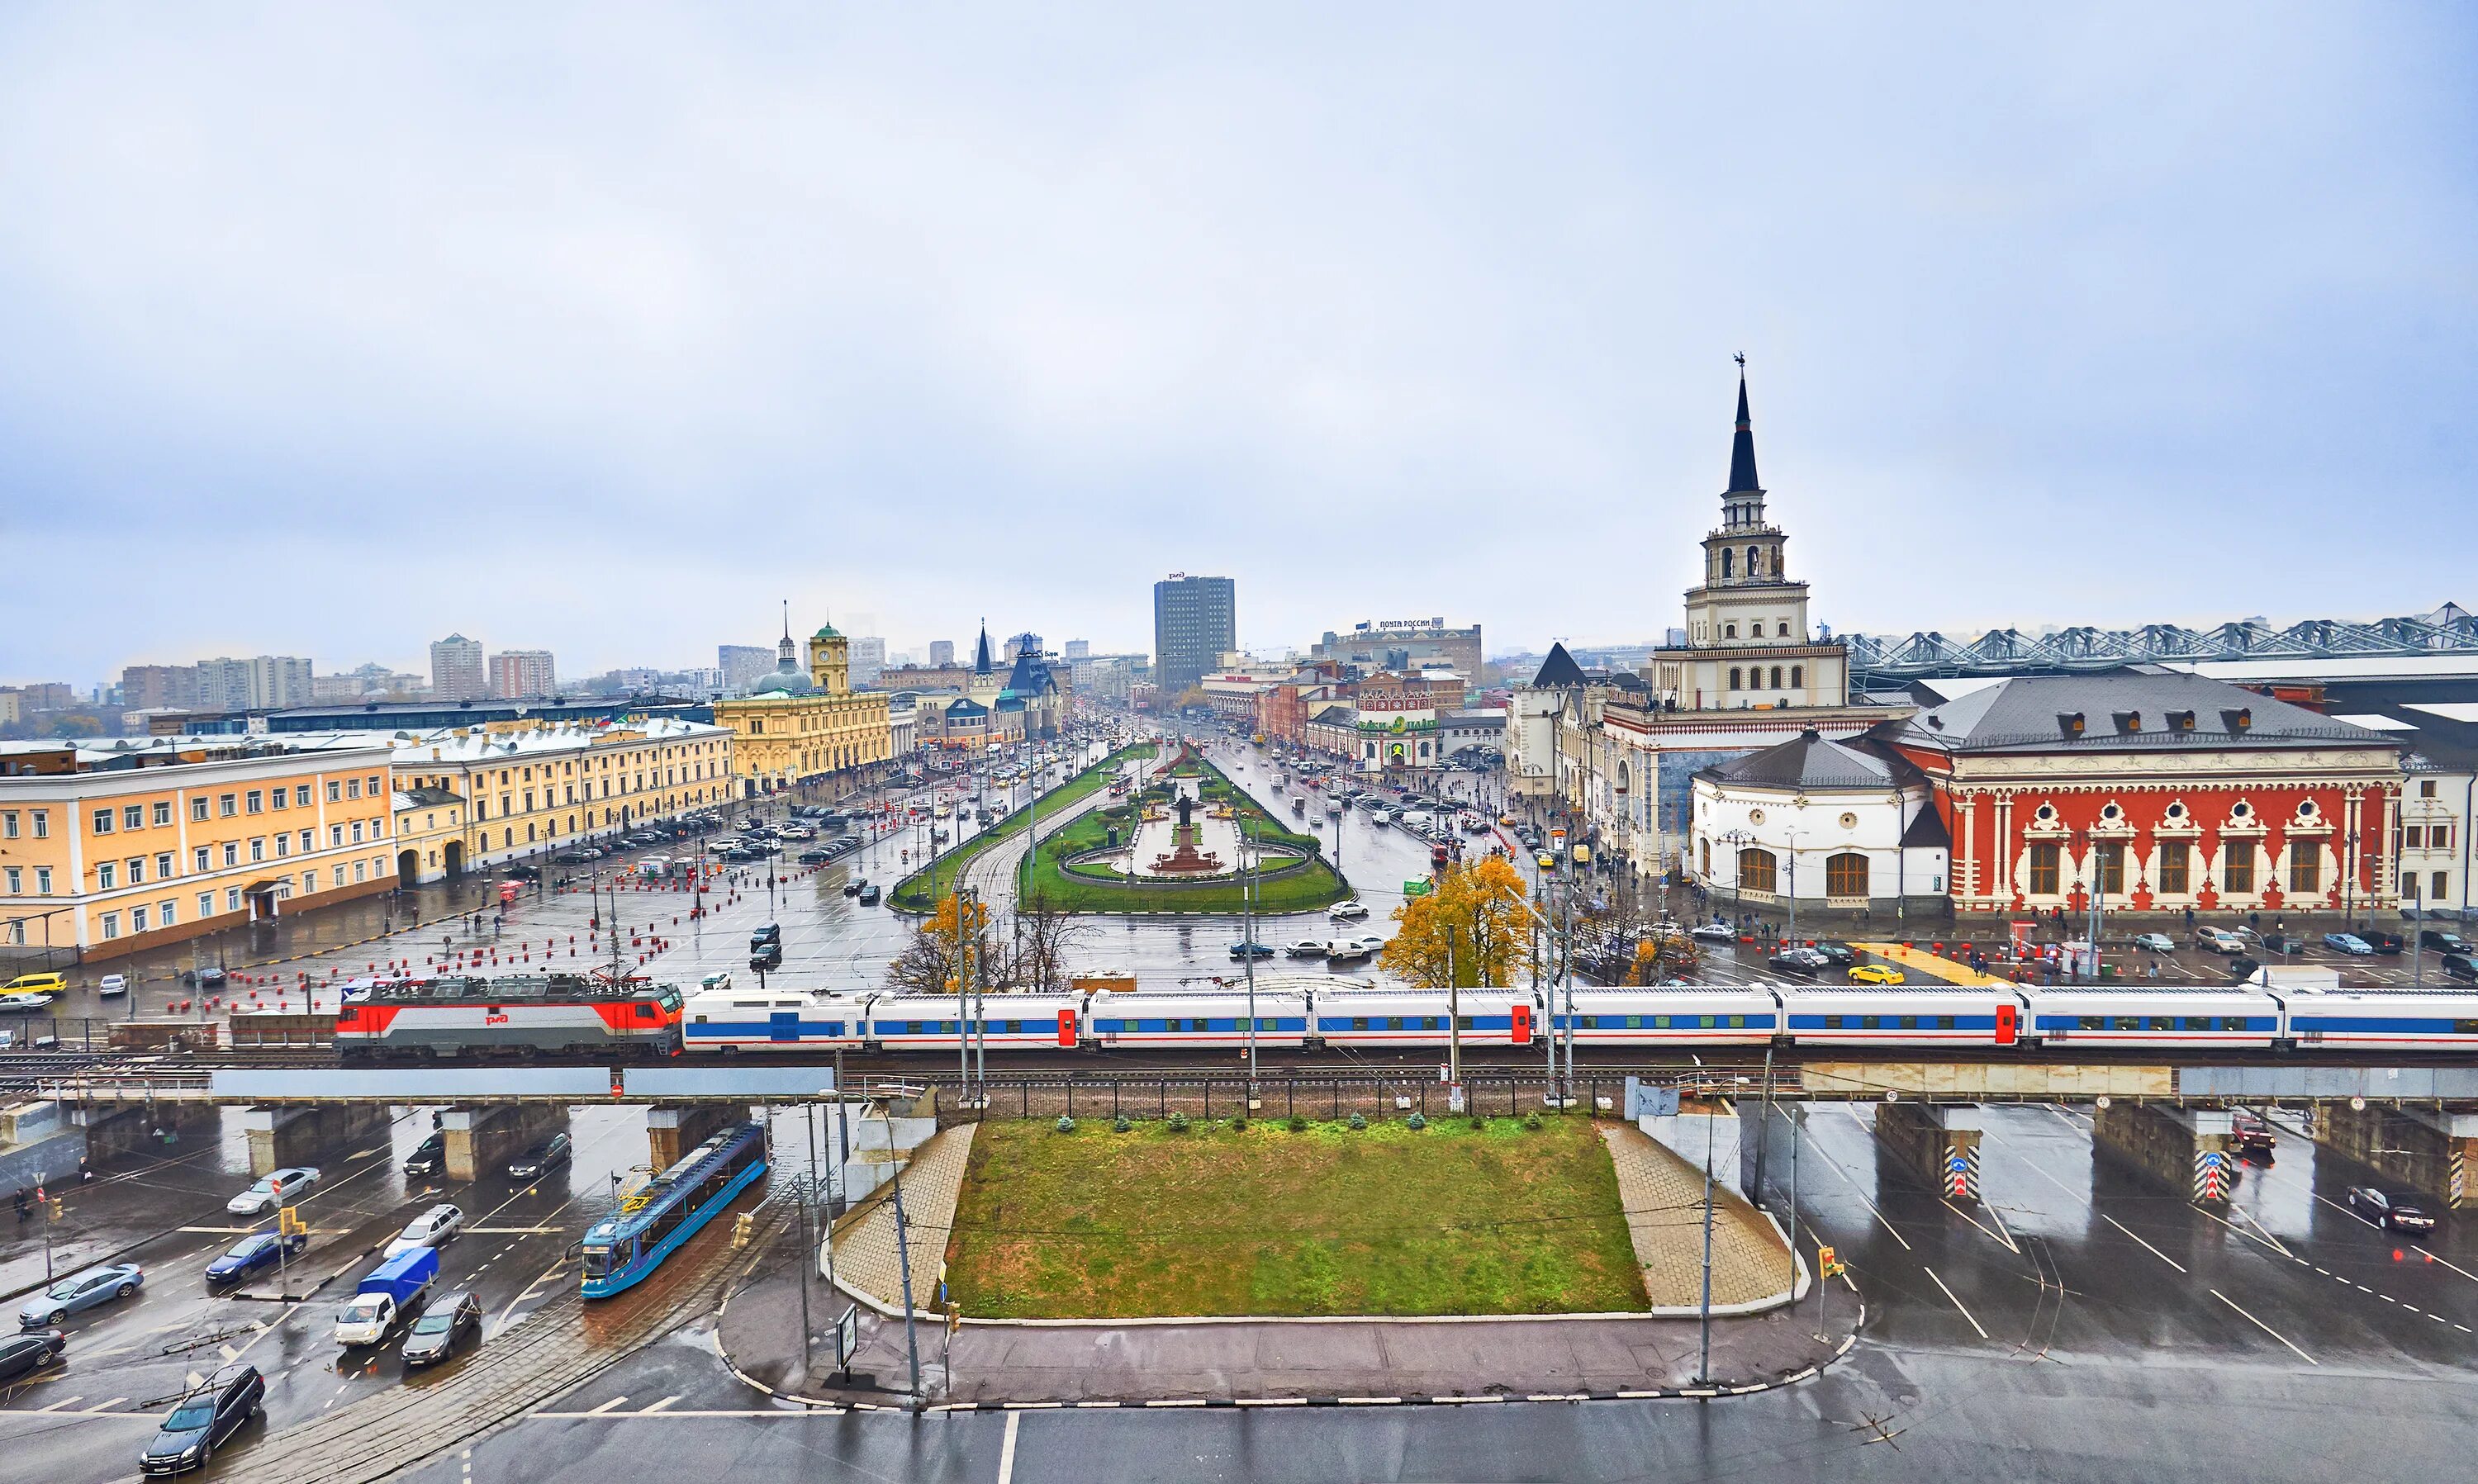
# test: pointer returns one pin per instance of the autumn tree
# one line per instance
(933, 962)
(1041, 933)
(1476, 917)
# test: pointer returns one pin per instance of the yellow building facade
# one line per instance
(110, 846)
(467, 797)
(798, 728)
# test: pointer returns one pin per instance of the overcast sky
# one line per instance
(602, 330)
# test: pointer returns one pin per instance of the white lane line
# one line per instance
(2146, 1247)
(2265, 1328)
(57, 1405)
(1957, 1303)
(660, 1406)
(2000, 1233)
(1834, 1165)
(101, 1407)
(605, 1407)
(1006, 1449)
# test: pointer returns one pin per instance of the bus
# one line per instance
(659, 1216)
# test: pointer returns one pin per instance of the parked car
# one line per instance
(205, 1419)
(1802, 960)
(282, 1188)
(2286, 945)
(1346, 912)
(2461, 966)
(816, 857)
(522, 873)
(2349, 943)
(1875, 973)
(428, 1157)
(43, 984)
(767, 959)
(2242, 968)
(2438, 937)
(80, 1293)
(2218, 940)
(1840, 953)
(2392, 1213)
(851, 886)
(25, 1354)
(434, 1227)
(2382, 942)
(772, 932)
(211, 976)
(112, 984)
(2154, 942)
(255, 1253)
(451, 1320)
(541, 1157)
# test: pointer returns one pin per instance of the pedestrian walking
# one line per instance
(25, 1206)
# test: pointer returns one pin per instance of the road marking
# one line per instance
(101, 1407)
(2146, 1247)
(1834, 1165)
(2001, 1234)
(2265, 1328)
(605, 1407)
(57, 1405)
(1006, 1448)
(1957, 1303)
(660, 1406)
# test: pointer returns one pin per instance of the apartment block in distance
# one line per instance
(107, 848)
(516, 674)
(456, 670)
(1195, 622)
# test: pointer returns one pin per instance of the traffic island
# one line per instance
(1511, 1256)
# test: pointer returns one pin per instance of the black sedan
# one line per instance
(541, 1158)
(428, 1157)
(1802, 960)
(2390, 1212)
(451, 1320)
(24, 1354)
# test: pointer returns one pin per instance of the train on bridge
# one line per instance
(528, 1015)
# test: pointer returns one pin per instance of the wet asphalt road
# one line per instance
(2082, 1326)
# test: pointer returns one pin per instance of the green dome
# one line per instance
(783, 682)
(828, 631)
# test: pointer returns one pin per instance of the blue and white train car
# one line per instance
(942, 1022)
(1195, 1020)
(2395, 1019)
(2197, 1017)
(1419, 1017)
(731, 1022)
(1916, 1015)
(1677, 1016)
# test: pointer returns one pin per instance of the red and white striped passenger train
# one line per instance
(517, 1016)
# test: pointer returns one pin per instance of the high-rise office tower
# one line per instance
(456, 670)
(1195, 622)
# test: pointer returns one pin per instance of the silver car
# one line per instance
(69, 1295)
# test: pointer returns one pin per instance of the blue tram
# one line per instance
(655, 1222)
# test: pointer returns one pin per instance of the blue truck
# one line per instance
(387, 1294)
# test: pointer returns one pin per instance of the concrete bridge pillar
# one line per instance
(287, 1134)
(673, 1129)
(2434, 1153)
(484, 1138)
(1936, 1143)
(2189, 1149)
(161, 1129)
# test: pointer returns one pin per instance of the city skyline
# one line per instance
(2085, 306)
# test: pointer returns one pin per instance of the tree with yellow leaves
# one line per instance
(933, 962)
(1477, 911)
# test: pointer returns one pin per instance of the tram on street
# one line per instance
(659, 1217)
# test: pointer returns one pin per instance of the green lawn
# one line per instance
(924, 889)
(1094, 889)
(1224, 1220)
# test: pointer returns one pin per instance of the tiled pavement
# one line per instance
(866, 1261)
(1664, 1197)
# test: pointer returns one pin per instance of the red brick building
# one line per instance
(2166, 792)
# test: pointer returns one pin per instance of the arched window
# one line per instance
(1776, 677)
(1798, 676)
(1845, 875)
(1727, 569)
(1729, 631)
(1733, 678)
(1707, 858)
(1754, 561)
(1783, 630)
(1755, 869)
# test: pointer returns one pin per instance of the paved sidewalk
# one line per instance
(866, 1264)
(1921, 960)
(1664, 1197)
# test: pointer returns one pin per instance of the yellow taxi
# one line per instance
(36, 984)
(1545, 860)
(1875, 973)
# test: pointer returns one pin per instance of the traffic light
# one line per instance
(743, 1229)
